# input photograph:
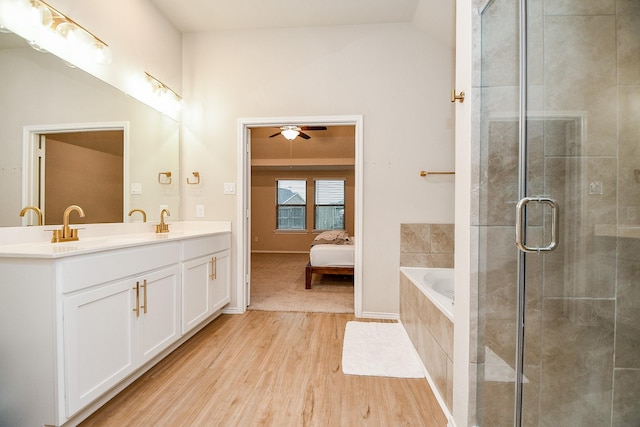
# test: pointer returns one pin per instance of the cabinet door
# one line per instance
(220, 284)
(195, 292)
(158, 320)
(98, 341)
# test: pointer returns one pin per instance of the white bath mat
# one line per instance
(379, 349)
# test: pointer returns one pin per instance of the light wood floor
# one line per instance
(268, 369)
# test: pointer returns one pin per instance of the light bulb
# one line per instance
(102, 54)
(290, 133)
(45, 15)
(66, 29)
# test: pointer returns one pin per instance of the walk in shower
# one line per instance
(558, 147)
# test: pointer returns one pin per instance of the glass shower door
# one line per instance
(560, 122)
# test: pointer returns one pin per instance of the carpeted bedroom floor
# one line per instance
(277, 284)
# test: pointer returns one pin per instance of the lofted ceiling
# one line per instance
(190, 16)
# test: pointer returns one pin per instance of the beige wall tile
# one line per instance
(584, 364)
(628, 155)
(431, 334)
(627, 7)
(411, 259)
(415, 238)
(580, 75)
(583, 265)
(628, 49)
(436, 363)
(440, 260)
(579, 7)
(449, 394)
(626, 411)
(427, 245)
(499, 181)
(442, 330)
(442, 238)
(499, 47)
(628, 306)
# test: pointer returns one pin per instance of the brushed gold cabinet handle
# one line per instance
(137, 289)
(213, 262)
(144, 298)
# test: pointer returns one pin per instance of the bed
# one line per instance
(330, 258)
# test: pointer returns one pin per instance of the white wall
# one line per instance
(396, 76)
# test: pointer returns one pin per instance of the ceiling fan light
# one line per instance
(290, 134)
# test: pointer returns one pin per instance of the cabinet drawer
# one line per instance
(201, 246)
(89, 270)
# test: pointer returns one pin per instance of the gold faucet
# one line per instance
(144, 214)
(67, 234)
(36, 210)
(162, 227)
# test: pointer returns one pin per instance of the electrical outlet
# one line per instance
(200, 211)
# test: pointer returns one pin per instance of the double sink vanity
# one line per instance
(82, 319)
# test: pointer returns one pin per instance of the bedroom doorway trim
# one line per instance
(243, 251)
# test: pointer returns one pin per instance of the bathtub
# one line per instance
(436, 284)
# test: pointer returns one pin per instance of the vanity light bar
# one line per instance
(46, 28)
(60, 18)
(160, 87)
(166, 98)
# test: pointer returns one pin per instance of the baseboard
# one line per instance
(279, 252)
(378, 315)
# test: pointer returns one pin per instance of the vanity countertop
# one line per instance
(98, 237)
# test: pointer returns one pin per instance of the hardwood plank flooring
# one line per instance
(268, 369)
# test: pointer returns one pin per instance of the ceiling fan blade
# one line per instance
(313, 127)
(275, 134)
(304, 135)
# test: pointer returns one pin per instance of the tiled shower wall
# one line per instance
(583, 300)
(426, 245)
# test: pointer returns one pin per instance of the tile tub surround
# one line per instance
(426, 245)
(431, 333)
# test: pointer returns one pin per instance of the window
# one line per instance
(292, 204)
(329, 204)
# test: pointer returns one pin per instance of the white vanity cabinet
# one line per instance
(113, 327)
(206, 283)
(79, 321)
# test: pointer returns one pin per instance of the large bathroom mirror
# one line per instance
(42, 94)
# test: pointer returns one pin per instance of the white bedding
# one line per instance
(332, 255)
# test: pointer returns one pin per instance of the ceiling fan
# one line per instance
(291, 132)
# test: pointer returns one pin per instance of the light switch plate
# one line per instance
(229, 188)
(136, 188)
(200, 211)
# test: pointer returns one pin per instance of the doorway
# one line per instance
(76, 165)
(311, 177)
(245, 208)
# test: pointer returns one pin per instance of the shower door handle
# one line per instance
(520, 224)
